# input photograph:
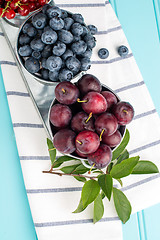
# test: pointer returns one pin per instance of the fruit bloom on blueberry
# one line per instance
(103, 53)
(32, 65)
(123, 51)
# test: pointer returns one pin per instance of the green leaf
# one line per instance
(52, 151)
(81, 169)
(69, 169)
(122, 146)
(90, 191)
(98, 209)
(80, 179)
(125, 168)
(80, 207)
(123, 156)
(122, 205)
(102, 195)
(63, 159)
(145, 167)
(110, 167)
(106, 183)
(120, 181)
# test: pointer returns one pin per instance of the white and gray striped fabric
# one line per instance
(52, 198)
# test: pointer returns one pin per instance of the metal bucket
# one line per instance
(18, 20)
(122, 129)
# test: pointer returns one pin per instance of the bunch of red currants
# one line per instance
(9, 8)
(88, 120)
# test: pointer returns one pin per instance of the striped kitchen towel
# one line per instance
(52, 198)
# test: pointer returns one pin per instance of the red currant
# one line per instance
(23, 10)
(42, 2)
(14, 4)
(24, 1)
(31, 6)
(2, 14)
(10, 13)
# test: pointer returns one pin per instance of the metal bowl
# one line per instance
(37, 76)
(52, 131)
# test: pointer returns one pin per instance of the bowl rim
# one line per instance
(39, 79)
(83, 160)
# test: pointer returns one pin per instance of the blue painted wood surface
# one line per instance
(141, 23)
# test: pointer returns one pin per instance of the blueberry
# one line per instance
(73, 64)
(87, 53)
(77, 17)
(92, 29)
(37, 45)
(59, 48)
(76, 38)
(43, 63)
(56, 23)
(49, 36)
(36, 54)
(77, 29)
(24, 39)
(65, 75)
(68, 23)
(31, 31)
(64, 14)
(68, 53)
(45, 74)
(103, 53)
(25, 27)
(32, 65)
(25, 51)
(53, 76)
(47, 51)
(65, 36)
(53, 12)
(39, 20)
(79, 47)
(90, 40)
(123, 51)
(85, 31)
(85, 64)
(45, 7)
(39, 32)
(54, 63)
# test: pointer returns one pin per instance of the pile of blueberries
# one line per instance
(55, 44)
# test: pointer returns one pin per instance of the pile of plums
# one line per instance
(88, 120)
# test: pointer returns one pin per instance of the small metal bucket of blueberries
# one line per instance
(54, 45)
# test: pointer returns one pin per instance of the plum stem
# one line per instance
(100, 137)
(69, 174)
(81, 101)
(63, 90)
(125, 111)
(89, 117)
(78, 141)
(91, 168)
(51, 149)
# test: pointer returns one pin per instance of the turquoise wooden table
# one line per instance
(141, 23)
